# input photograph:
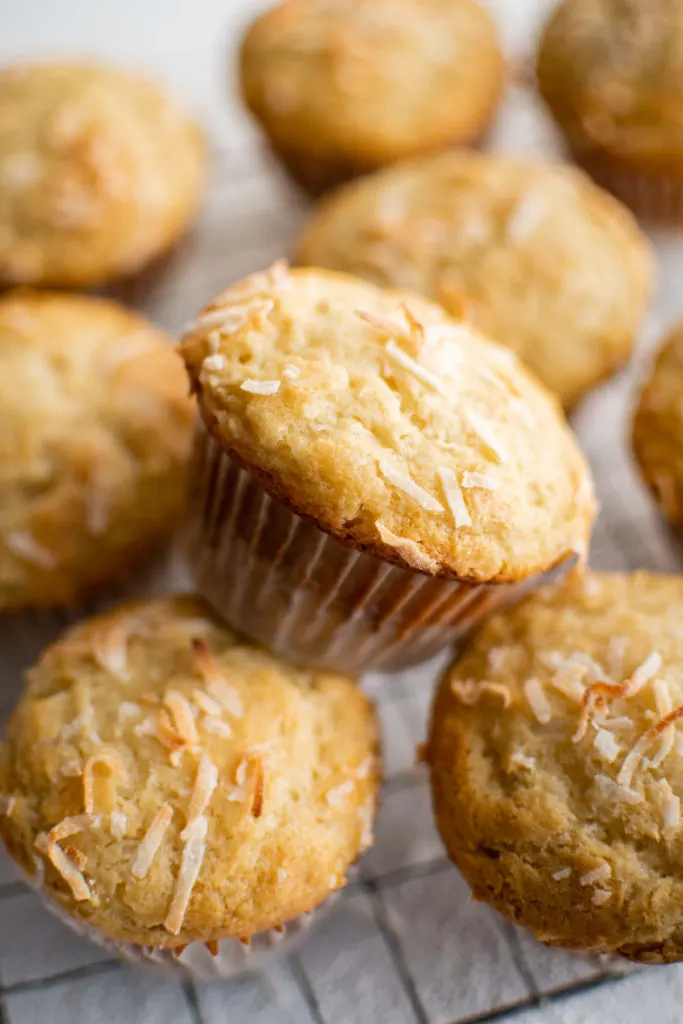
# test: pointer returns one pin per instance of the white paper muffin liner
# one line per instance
(657, 198)
(233, 959)
(280, 580)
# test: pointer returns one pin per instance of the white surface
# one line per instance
(406, 944)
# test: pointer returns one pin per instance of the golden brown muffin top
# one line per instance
(179, 785)
(611, 72)
(369, 81)
(658, 428)
(99, 173)
(550, 264)
(555, 753)
(396, 428)
(95, 431)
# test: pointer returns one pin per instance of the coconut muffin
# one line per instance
(177, 786)
(611, 75)
(541, 259)
(555, 767)
(95, 430)
(343, 421)
(658, 429)
(100, 173)
(343, 87)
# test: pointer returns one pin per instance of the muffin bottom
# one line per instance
(653, 197)
(276, 577)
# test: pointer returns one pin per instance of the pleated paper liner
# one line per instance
(657, 198)
(276, 577)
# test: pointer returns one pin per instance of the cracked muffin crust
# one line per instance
(95, 432)
(555, 758)
(178, 785)
(100, 174)
(396, 429)
(546, 262)
(345, 86)
(610, 73)
(658, 429)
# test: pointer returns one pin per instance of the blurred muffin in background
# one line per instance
(100, 174)
(658, 429)
(95, 427)
(537, 256)
(612, 77)
(342, 87)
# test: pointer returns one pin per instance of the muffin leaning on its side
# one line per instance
(658, 429)
(547, 263)
(371, 477)
(100, 174)
(177, 788)
(612, 77)
(555, 764)
(344, 87)
(95, 430)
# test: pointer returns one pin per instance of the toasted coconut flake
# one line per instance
(336, 796)
(487, 434)
(146, 728)
(567, 681)
(110, 649)
(406, 547)
(260, 387)
(118, 824)
(151, 841)
(678, 743)
(115, 765)
(128, 710)
(454, 498)
(484, 481)
(7, 805)
(559, 876)
(420, 373)
(241, 772)
(525, 218)
(165, 732)
(404, 483)
(204, 788)
(614, 792)
(598, 693)
(26, 547)
(644, 673)
(664, 707)
(218, 687)
(183, 719)
(521, 759)
(636, 755)
(191, 865)
(65, 867)
(70, 827)
(601, 896)
(77, 857)
(470, 691)
(606, 745)
(616, 652)
(282, 875)
(213, 363)
(207, 704)
(538, 702)
(257, 773)
(290, 371)
(217, 727)
(671, 813)
(619, 723)
(599, 874)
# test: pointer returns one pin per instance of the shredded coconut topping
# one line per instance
(454, 498)
(664, 707)
(482, 480)
(219, 689)
(110, 649)
(213, 363)
(671, 813)
(151, 841)
(207, 704)
(191, 865)
(601, 896)
(525, 218)
(636, 755)
(65, 867)
(337, 794)
(518, 758)
(559, 876)
(70, 827)
(217, 727)
(118, 824)
(613, 791)
(486, 434)
(606, 745)
(27, 548)
(108, 758)
(290, 371)
(420, 372)
(469, 691)
(538, 702)
(183, 719)
(404, 483)
(599, 874)
(260, 387)
(204, 787)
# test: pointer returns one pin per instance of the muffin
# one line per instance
(541, 259)
(658, 429)
(370, 477)
(342, 88)
(178, 795)
(611, 74)
(95, 431)
(100, 174)
(556, 770)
